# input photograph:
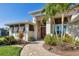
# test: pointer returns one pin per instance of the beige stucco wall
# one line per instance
(38, 30)
(38, 26)
(35, 32)
(31, 34)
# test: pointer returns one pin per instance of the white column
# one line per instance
(34, 20)
(35, 31)
(48, 26)
(68, 25)
(14, 34)
(35, 27)
(26, 32)
(10, 31)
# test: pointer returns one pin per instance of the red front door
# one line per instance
(43, 31)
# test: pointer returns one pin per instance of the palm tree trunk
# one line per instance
(62, 25)
(54, 29)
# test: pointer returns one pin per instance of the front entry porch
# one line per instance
(44, 28)
(41, 30)
(50, 28)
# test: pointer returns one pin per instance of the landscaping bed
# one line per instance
(60, 51)
(66, 46)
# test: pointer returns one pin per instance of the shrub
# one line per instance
(2, 38)
(9, 40)
(54, 40)
(50, 40)
(1, 42)
(69, 39)
(31, 39)
(77, 42)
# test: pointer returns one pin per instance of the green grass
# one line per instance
(10, 51)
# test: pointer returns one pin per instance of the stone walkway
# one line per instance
(35, 49)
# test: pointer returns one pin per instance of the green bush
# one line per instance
(69, 39)
(31, 39)
(50, 40)
(54, 40)
(77, 42)
(9, 40)
(1, 42)
(2, 38)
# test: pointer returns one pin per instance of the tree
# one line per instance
(50, 11)
(63, 8)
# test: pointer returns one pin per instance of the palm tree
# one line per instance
(63, 8)
(50, 11)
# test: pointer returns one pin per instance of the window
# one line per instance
(22, 27)
(65, 28)
(58, 30)
(16, 29)
(12, 28)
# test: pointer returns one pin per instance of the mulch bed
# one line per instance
(60, 51)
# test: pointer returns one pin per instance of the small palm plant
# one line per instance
(21, 35)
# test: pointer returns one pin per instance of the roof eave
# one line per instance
(19, 23)
(35, 12)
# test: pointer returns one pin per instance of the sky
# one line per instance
(13, 12)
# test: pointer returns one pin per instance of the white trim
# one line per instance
(48, 26)
(26, 32)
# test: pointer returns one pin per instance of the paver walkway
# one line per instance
(35, 49)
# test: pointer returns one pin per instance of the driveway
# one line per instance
(35, 49)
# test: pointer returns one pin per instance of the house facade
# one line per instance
(26, 27)
(48, 27)
(38, 28)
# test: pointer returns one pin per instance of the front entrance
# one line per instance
(43, 31)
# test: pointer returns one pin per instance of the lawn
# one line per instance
(10, 51)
